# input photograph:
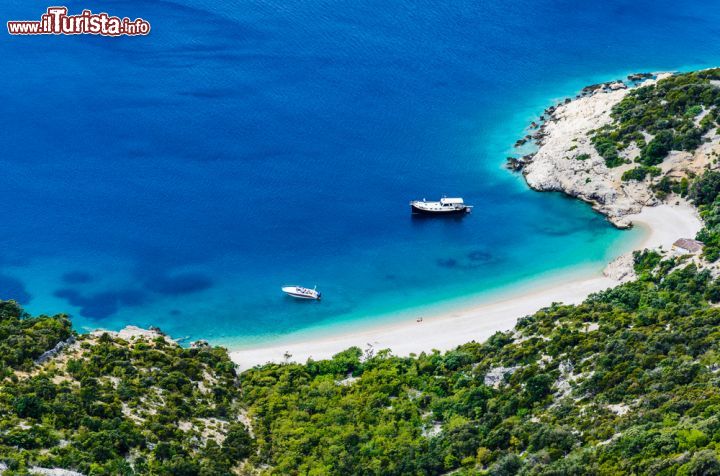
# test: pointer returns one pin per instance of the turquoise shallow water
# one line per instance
(179, 180)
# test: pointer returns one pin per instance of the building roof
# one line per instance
(689, 244)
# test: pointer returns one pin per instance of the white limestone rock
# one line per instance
(621, 268)
(567, 136)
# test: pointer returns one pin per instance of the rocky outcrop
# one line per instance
(495, 376)
(621, 268)
(53, 472)
(134, 332)
(639, 76)
(200, 344)
(566, 160)
(55, 350)
(516, 164)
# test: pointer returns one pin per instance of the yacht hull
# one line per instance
(453, 211)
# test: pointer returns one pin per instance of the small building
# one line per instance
(685, 246)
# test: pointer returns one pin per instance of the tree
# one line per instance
(704, 463)
(238, 444)
(28, 406)
(538, 387)
(508, 465)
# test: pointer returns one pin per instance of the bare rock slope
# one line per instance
(566, 160)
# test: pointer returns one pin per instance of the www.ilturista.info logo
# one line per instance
(57, 22)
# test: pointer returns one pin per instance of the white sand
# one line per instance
(664, 224)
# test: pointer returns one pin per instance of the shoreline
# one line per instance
(561, 135)
(663, 224)
(565, 161)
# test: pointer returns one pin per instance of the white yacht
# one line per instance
(300, 292)
(446, 206)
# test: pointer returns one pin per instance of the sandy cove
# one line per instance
(663, 224)
(554, 167)
(441, 332)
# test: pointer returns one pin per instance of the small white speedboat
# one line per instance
(300, 292)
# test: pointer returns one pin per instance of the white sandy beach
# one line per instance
(663, 225)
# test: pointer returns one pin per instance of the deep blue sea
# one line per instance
(180, 179)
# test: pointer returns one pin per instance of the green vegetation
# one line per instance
(639, 173)
(625, 383)
(109, 406)
(705, 193)
(607, 148)
(582, 156)
(23, 339)
(662, 117)
(665, 186)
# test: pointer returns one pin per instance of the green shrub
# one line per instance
(639, 173)
(666, 111)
